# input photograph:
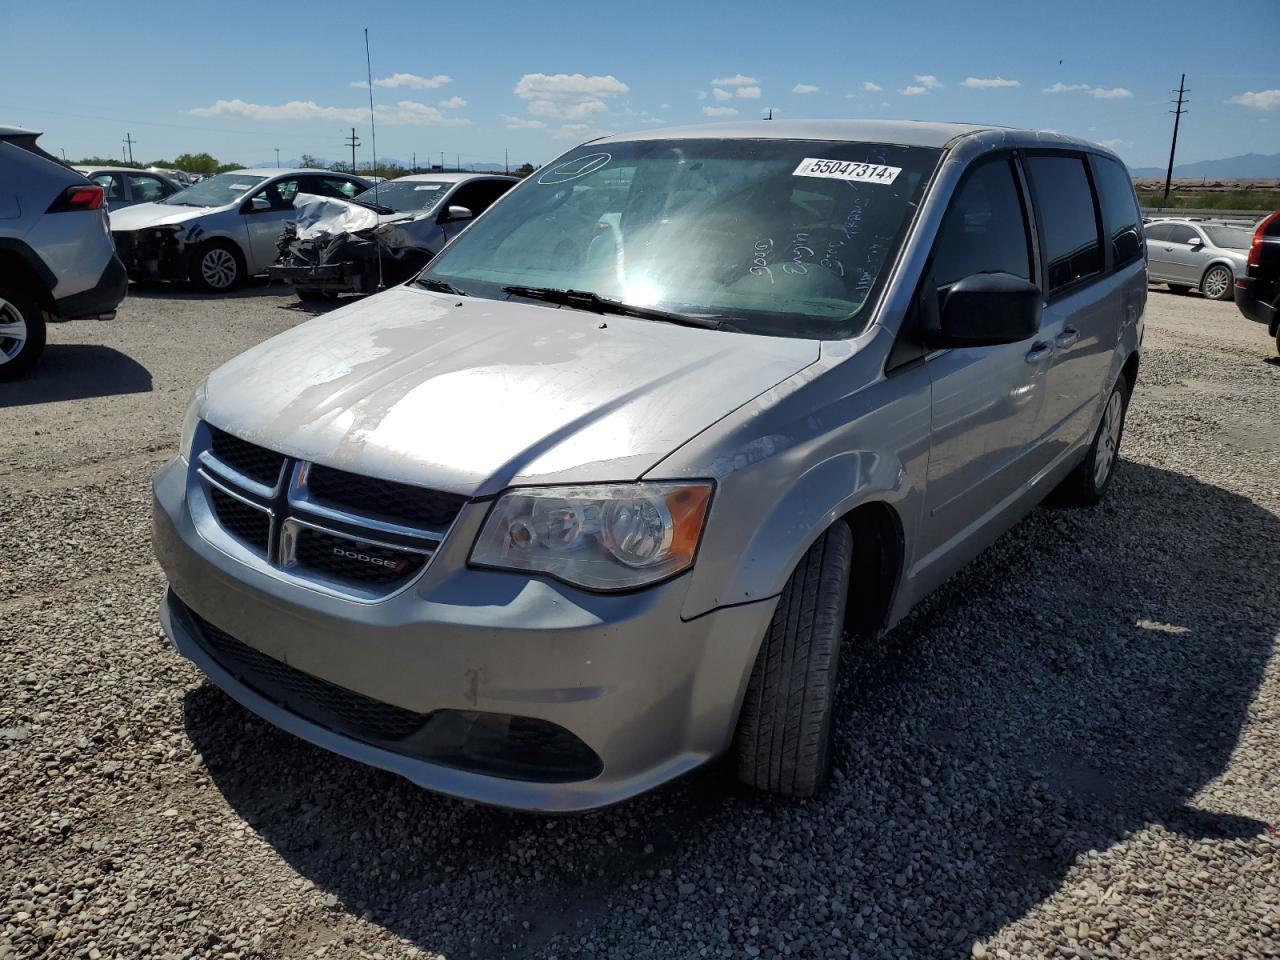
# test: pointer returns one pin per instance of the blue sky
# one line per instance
(240, 79)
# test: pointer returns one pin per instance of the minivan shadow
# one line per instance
(1085, 677)
(77, 371)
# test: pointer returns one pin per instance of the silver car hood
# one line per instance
(471, 395)
(143, 215)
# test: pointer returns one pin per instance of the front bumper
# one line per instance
(650, 694)
(345, 277)
(153, 254)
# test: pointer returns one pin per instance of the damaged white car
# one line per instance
(381, 237)
(221, 230)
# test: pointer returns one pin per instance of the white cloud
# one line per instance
(521, 123)
(1259, 99)
(1114, 144)
(988, 83)
(1102, 93)
(567, 86)
(402, 113)
(571, 131)
(453, 103)
(721, 94)
(747, 93)
(720, 111)
(912, 91)
(737, 80)
(702, 94)
(928, 81)
(870, 87)
(410, 80)
(567, 111)
(654, 120)
(804, 88)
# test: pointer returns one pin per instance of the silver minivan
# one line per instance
(598, 496)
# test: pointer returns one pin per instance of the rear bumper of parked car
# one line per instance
(490, 686)
(1257, 300)
(101, 299)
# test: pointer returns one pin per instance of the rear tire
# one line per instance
(1087, 483)
(22, 331)
(783, 740)
(217, 267)
(1218, 283)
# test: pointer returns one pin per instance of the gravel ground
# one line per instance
(1070, 750)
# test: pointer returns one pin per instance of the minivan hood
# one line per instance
(471, 395)
(143, 215)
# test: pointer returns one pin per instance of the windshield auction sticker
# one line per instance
(847, 170)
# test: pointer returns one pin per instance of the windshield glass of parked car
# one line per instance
(779, 237)
(405, 195)
(1232, 238)
(215, 192)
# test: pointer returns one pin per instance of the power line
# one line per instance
(1177, 116)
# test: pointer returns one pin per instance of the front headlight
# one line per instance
(189, 423)
(614, 536)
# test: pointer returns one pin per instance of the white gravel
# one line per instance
(1069, 751)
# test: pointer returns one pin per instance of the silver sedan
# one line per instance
(1205, 254)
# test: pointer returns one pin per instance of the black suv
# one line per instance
(1258, 291)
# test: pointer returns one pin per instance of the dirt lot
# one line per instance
(1070, 750)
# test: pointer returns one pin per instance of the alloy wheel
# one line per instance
(1108, 440)
(218, 268)
(1216, 283)
(13, 331)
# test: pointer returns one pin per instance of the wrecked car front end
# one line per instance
(157, 253)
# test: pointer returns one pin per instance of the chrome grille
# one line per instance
(358, 536)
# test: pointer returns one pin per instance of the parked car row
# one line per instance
(1208, 255)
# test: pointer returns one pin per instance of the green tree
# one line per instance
(524, 169)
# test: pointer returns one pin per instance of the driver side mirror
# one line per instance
(1196, 242)
(456, 212)
(258, 204)
(985, 309)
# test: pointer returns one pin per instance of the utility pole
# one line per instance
(1177, 115)
(129, 142)
(442, 161)
(354, 143)
(415, 161)
(506, 161)
(458, 163)
(770, 116)
(277, 158)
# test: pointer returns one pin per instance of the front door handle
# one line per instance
(1067, 338)
(1039, 350)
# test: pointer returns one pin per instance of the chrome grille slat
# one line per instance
(353, 549)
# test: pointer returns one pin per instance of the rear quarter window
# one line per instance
(1068, 222)
(1120, 211)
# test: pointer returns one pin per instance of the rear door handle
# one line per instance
(1067, 338)
(1039, 351)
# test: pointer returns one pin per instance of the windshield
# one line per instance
(780, 237)
(216, 191)
(406, 195)
(1233, 238)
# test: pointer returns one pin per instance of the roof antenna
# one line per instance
(373, 130)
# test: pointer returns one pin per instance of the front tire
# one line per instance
(22, 331)
(1217, 283)
(1087, 483)
(783, 740)
(217, 267)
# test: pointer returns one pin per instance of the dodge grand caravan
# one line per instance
(595, 497)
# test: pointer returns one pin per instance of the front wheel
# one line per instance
(783, 740)
(217, 267)
(1217, 283)
(22, 332)
(1088, 482)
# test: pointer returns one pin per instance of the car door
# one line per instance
(265, 219)
(985, 400)
(1157, 256)
(1185, 256)
(1083, 306)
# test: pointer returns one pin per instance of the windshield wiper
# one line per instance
(377, 207)
(439, 286)
(586, 300)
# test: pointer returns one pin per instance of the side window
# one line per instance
(1181, 233)
(111, 184)
(1158, 231)
(146, 189)
(281, 193)
(333, 187)
(985, 228)
(1068, 222)
(1119, 210)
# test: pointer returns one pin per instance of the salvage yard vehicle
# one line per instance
(1258, 291)
(56, 258)
(1206, 254)
(596, 498)
(221, 230)
(125, 186)
(382, 236)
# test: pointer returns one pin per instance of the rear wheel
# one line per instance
(217, 267)
(22, 332)
(1217, 282)
(783, 741)
(1088, 482)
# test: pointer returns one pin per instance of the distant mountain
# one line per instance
(1247, 167)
